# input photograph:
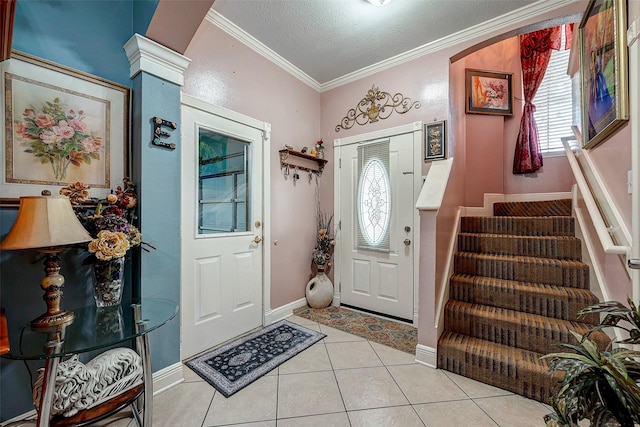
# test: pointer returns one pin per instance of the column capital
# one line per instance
(153, 58)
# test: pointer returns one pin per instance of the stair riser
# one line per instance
(550, 226)
(544, 300)
(569, 273)
(538, 208)
(549, 247)
(512, 328)
(508, 375)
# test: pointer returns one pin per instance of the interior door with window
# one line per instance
(222, 253)
(377, 215)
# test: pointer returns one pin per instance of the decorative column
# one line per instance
(158, 74)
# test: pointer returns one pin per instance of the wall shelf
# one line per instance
(287, 155)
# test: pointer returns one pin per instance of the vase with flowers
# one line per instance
(110, 224)
(319, 291)
(319, 149)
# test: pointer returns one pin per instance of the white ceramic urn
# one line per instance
(319, 291)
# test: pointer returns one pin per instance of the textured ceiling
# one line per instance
(328, 39)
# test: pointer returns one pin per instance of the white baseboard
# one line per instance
(336, 299)
(272, 316)
(167, 377)
(427, 356)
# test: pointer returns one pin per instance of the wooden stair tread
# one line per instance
(522, 268)
(531, 226)
(520, 319)
(513, 369)
(554, 301)
(557, 247)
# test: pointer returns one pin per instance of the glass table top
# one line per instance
(93, 328)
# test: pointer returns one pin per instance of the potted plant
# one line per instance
(599, 386)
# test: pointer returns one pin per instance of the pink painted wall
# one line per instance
(440, 89)
(175, 22)
(226, 73)
(616, 280)
(425, 80)
(612, 158)
(491, 139)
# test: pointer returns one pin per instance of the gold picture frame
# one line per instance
(61, 126)
(488, 92)
(603, 70)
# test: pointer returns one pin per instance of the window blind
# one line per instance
(553, 102)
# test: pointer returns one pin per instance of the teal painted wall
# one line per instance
(158, 172)
(89, 36)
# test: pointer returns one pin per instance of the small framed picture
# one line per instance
(488, 92)
(435, 141)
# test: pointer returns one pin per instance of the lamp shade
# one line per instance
(44, 221)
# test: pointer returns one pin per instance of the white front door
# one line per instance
(378, 182)
(222, 249)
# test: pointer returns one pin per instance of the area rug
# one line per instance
(239, 363)
(387, 332)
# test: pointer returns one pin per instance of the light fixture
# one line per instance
(47, 223)
(379, 2)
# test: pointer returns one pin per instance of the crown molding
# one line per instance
(468, 34)
(153, 58)
(229, 27)
(471, 33)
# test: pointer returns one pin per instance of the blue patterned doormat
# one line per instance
(239, 363)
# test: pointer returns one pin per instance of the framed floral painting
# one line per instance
(488, 92)
(61, 126)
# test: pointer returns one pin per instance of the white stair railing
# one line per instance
(606, 219)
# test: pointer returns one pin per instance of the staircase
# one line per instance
(517, 286)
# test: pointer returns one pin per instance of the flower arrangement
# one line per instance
(325, 243)
(59, 137)
(110, 224)
(319, 148)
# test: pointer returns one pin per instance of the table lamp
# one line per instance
(47, 223)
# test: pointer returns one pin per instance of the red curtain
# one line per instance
(535, 52)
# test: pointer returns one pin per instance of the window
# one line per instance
(374, 196)
(223, 204)
(553, 102)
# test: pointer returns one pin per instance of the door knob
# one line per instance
(407, 242)
(257, 239)
(634, 263)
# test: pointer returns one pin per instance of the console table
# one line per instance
(95, 329)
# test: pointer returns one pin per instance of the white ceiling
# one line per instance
(329, 39)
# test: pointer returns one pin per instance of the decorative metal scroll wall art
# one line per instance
(376, 105)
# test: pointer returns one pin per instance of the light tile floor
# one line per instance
(345, 380)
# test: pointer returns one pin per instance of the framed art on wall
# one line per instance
(61, 126)
(603, 70)
(435, 141)
(488, 92)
